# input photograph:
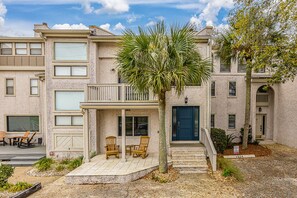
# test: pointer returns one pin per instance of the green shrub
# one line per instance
(5, 172)
(73, 164)
(19, 186)
(219, 139)
(250, 136)
(65, 161)
(229, 139)
(60, 168)
(229, 169)
(44, 164)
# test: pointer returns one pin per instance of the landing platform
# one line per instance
(113, 170)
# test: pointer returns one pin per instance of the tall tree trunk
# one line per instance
(163, 166)
(247, 107)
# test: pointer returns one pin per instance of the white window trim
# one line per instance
(38, 85)
(229, 96)
(234, 122)
(67, 126)
(71, 65)
(65, 90)
(70, 61)
(22, 115)
(14, 87)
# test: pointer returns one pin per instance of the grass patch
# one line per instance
(73, 164)
(19, 186)
(229, 169)
(44, 164)
(59, 168)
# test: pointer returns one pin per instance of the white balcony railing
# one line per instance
(116, 93)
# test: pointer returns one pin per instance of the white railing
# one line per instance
(210, 149)
(116, 93)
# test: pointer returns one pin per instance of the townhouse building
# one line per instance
(64, 85)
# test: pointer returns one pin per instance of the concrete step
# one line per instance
(19, 163)
(192, 171)
(189, 162)
(27, 158)
(189, 157)
(190, 165)
(188, 154)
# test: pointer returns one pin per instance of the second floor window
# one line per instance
(225, 67)
(212, 121)
(35, 49)
(68, 100)
(21, 48)
(33, 87)
(241, 67)
(6, 48)
(213, 88)
(71, 71)
(9, 86)
(232, 88)
(70, 51)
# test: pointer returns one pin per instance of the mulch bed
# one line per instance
(156, 176)
(257, 150)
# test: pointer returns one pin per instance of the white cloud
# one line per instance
(3, 12)
(211, 10)
(119, 26)
(221, 27)
(132, 17)
(68, 26)
(189, 6)
(105, 26)
(151, 23)
(160, 18)
(17, 28)
(87, 7)
(112, 6)
(196, 22)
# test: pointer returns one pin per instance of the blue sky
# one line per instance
(18, 16)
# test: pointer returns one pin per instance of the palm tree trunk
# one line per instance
(247, 107)
(163, 167)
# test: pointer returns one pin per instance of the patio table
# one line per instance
(129, 148)
(14, 139)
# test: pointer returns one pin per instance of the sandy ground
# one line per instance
(271, 176)
(191, 185)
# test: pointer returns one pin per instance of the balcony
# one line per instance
(21, 60)
(117, 95)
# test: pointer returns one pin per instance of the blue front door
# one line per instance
(185, 123)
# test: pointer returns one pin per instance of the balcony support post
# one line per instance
(124, 135)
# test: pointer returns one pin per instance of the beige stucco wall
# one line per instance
(287, 119)
(21, 103)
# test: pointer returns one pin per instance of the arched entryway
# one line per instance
(264, 113)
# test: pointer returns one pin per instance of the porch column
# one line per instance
(124, 135)
(86, 135)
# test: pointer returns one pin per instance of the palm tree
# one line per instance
(157, 59)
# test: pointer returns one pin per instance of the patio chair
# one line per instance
(26, 141)
(111, 148)
(141, 149)
(2, 137)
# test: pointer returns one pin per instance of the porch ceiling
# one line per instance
(119, 105)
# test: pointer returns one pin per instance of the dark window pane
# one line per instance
(22, 123)
(225, 68)
(129, 126)
(232, 88)
(174, 124)
(212, 121)
(9, 91)
(196, 129)
(213, 88)
(140, 126)
(232, 120)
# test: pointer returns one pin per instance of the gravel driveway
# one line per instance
(270, 176)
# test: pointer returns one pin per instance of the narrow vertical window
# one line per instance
(33, 87)
(232, 121)
(9, 87)
(213, 88)
(212, 121)
(232, 88)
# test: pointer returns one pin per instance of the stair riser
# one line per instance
(192, 170)
(198, 158)
(187, 153)
(189, 163)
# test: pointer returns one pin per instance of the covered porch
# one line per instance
(113, 170)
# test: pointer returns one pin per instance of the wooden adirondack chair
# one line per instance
(141, 149)
(111, 148)
(2, 137)
(26, 140)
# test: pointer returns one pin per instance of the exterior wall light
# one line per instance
(186, 100)
(260, 109)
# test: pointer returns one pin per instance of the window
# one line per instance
(71, 70)
(212, 121)
(9, 87)
(232, 121)
(22, 123)
(135, 126)
(70, 51)
(35, 49)
(33, 86)
(213, 88)
(232, 88)
(68, 100)
(69, 120)
(241, 67)
(6, 48)
(225, 67)
(21, 48)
